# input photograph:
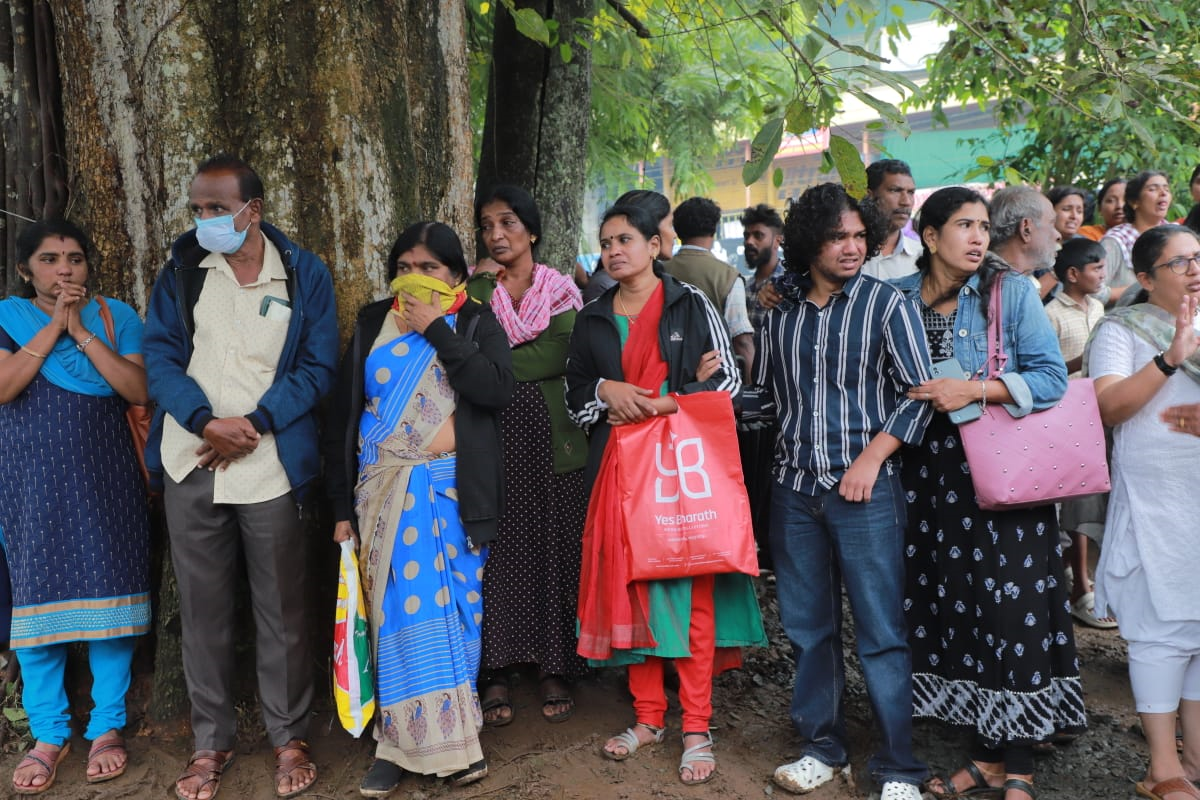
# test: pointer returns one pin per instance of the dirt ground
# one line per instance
(533, 760)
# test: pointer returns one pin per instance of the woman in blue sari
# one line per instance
(417, 478)
(72, 503)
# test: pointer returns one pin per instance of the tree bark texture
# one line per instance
(356, 115)
(536, 124)
(33, 171)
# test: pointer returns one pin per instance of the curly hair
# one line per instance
(762, 214)
(697, 217)
(816, 216)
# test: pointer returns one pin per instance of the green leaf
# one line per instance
(530, 23)
(799, 117)
(777, 177)
(15, 715)
(565, 53)
(975, 173)
(886, 110)
(849, 165)
(763, 150)
(811, 46)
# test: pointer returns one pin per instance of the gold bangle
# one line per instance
(33, 353)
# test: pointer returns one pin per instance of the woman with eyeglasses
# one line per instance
(1147, 370)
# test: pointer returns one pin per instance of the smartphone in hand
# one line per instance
(950, 368)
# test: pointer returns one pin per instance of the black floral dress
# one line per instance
(989, 625)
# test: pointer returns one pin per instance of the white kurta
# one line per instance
(1146, 575)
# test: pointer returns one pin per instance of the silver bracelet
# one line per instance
(83, 345)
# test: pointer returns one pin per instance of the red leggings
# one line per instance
(695, 671)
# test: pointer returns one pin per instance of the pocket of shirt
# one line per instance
(264, 344)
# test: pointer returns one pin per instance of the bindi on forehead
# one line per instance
(59, 245)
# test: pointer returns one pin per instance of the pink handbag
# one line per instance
(1041, 458)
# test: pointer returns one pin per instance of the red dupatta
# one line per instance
(614, 613)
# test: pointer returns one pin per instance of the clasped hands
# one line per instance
(71, 298)
(226, 439)
(628, 403)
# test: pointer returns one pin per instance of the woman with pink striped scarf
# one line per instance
(532, 575)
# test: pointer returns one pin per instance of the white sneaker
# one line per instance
(898, 790)
(807, 774)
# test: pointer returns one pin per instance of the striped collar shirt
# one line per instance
(839, 374)
(756, 310)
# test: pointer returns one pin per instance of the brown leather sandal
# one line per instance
(111, 742)
(291, 757)
(198, 767)
(47, 761)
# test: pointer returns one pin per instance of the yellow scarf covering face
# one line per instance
(425, 289)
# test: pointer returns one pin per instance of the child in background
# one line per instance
(1073, 312)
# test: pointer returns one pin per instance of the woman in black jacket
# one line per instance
(416, 472)
(646, 337)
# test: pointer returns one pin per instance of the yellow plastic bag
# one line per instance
(353, 683)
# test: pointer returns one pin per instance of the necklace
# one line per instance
(624, 312)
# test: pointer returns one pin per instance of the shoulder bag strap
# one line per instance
(106, 315)
(997, 358)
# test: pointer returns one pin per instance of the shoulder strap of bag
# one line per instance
(997, 358)
(471, 326)
(106, 315)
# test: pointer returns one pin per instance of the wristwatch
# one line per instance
(1160, 361)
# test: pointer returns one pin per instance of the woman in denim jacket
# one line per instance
(991, 636)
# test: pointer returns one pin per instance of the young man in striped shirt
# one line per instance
(839, 353)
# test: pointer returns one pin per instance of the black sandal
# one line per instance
(476, 772)
(553, 698)
(1020, 785)
(381, 779)
(499, 702)
(978, 788)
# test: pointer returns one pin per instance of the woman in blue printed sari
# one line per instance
(416, 476)
(72, 502)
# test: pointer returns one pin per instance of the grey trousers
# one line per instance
(204, 546)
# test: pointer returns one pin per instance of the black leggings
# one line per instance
(1017, 759)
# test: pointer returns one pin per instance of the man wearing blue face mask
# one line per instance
(241, 343)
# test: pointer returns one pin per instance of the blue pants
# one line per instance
(45, 692)
(816, 543)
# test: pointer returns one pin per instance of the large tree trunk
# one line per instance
(355, 115)
(536, 126)
(32, 173)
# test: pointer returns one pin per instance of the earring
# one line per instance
(933, 249)
(533, 239)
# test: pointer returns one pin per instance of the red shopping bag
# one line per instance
(682, 494)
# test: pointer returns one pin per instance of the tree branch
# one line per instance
(624, 13)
